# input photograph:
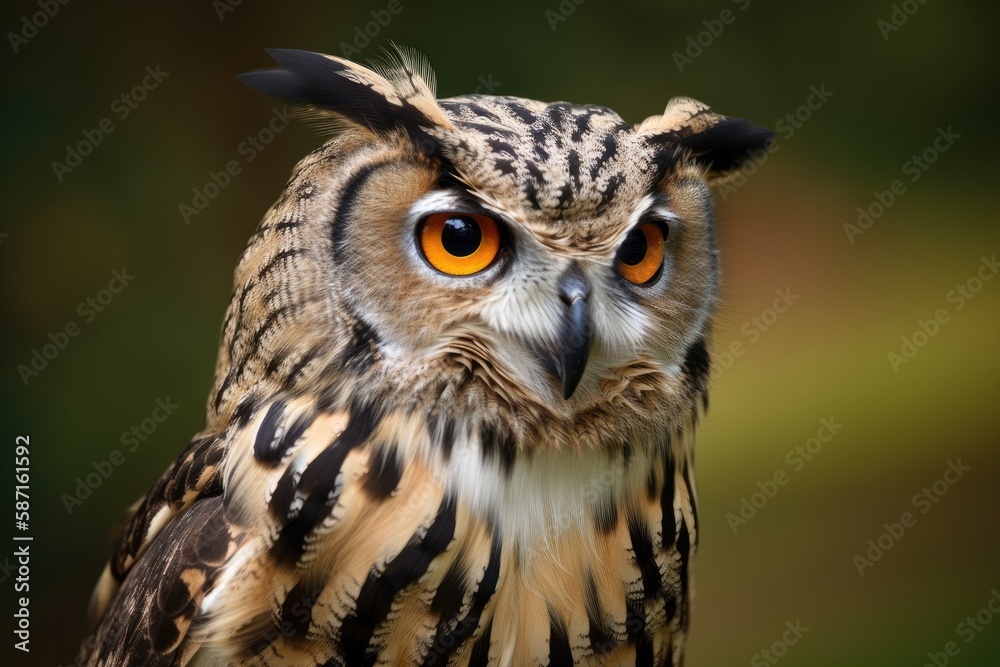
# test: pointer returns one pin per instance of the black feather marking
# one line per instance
(601, 638)
(652, 485)
(723, 147)
(643, 651)
(684, 553)
(522, 112)
(560, 652)
(531, 194)
(380, 588)
(610, 190)
(500, 146)
(274, 262)
(245, 410)
(697, 366)
(488, 130)
(258, 336)
(635, 629)
(319, 485)
(312, 78)
(670, 606)
(642, 546)
(265, 443)
(626, 454)
(446, 640)
(504, 166)
(482, 112)
(536, 181)
(349, 195)
(557, 113)
(275, 362)
(362, 350)
(581, 125)
(565, 195)
(668, 523)
(449, 597)
(271, 451)
(573, 168)
(301, 364)
(481, 649)
(240, 309)
(297, 608)
(694, 503)
(610, 143)
(363, 420)
(291, 224)
(224, 386)
(441, 430)
(606, 515)
(498, 444)
(383, 476)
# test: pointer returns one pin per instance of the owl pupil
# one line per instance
(633, 250)
(461, 236)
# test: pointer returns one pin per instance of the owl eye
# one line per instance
(459, 244)
(641, 255)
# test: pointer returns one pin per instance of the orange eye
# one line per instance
(459, 244)
(641, 255)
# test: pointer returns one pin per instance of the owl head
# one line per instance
(540, 264)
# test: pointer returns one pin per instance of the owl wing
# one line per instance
(163, 563)
(154, 608)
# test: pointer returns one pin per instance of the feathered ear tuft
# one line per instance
(720, 143)
(399, 94)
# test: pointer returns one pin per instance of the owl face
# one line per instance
(566, 276)
(538, 252)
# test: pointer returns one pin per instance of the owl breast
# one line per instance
(379, 554)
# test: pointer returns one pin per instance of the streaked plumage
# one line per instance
(405, 467)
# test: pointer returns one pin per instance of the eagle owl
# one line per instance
(453, 410)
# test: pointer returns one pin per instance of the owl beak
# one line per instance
(574, 291)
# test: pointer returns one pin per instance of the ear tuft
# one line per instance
(399, 94)
(719, 143)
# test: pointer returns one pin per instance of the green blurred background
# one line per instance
(825, 357)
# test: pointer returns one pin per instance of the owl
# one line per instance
(454, 405)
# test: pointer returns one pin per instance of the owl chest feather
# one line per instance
(400, 553)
